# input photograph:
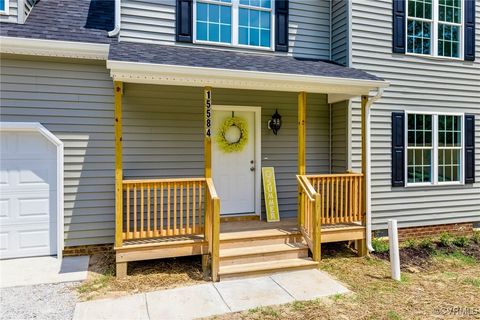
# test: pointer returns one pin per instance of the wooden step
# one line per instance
(271, 252)
(266, 267)
(258, 238)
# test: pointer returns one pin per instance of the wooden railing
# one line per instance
(309, 215)
(163, 207)
(342, 197)
(173, 207)
(212, 226)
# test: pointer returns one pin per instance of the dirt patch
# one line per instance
(410, 258)
(143, 276)
(418, 257)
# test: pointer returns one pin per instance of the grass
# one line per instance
(472, 281)
(377, 296)
(456, 258)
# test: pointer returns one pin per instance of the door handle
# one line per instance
(252, 168)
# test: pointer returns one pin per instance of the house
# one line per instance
(148, 123)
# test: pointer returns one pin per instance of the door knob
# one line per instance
(252, 168)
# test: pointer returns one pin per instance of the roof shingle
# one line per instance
(228, 59)
(80, 20)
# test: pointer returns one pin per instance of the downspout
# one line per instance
(116, 30)
(368, 213)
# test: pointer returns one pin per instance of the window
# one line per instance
(434, 148)
(4, 6)
(434, 27)
(234, 22)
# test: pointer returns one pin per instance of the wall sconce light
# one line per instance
(275, 123)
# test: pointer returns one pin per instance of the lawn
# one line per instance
(438, 282)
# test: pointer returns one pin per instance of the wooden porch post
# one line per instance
(207, 97)
(207, 143)
(362, 244)
(118, 93)
(302, 111)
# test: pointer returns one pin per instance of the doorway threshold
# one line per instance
(240, 217)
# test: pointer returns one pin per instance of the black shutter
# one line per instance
(281, 25)
(398, 32)
(184, 21)
(398, 149)
(469, 148)
(469, 49)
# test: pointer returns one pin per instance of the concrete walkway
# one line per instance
(41, 270)
(214, 298)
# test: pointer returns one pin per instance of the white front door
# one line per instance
(28, 191)
(233, 173)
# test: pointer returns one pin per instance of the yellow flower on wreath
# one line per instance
(224, 144)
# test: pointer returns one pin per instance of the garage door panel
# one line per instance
(28, 173)
(28, 206)
(26, 145)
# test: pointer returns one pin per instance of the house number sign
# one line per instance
(208, 113)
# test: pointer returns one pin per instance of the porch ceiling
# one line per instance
(200, 67)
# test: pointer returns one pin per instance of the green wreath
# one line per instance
(227, 145)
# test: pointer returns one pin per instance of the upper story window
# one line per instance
(435, 27)
(242, 23)
(434, 148)
(4, 6)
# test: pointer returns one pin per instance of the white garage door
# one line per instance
(28, 191)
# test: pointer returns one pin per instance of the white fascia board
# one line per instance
(54, 48)
(150, 73)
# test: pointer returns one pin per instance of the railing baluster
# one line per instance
(148, 211)
(200, 186)
(342, 212)
(155, 229)
(127, 235)
(194, 212)
(168, 209)
(187, 227)
(181, 209)
(142, 208)
(161, 209)
(175, 230)
(135, 230)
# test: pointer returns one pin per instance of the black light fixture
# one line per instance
(275, 123)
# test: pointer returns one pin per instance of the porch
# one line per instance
(185, 195)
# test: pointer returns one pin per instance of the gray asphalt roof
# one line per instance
(67, 20)
(90, 20)
(223, 59)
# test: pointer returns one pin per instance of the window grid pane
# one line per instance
(449, 148)
(450, 11)
(419, 37)
(419, 148)
(214, 22)
(254, 27)
(448, 40)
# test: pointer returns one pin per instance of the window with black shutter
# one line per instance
(442, 28)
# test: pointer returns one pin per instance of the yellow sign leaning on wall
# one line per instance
(270, 194)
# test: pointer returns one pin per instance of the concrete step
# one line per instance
(265, 267)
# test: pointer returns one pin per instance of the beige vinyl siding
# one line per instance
(339, 31)
(74, 101)
(153, 21)
(421, 84)
(12, 13)
(339, 121)
(163, 134)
